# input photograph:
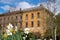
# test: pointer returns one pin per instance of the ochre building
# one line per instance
(33, 18)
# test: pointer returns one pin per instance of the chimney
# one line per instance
(41, 5)
(9, 11)
(20, 9)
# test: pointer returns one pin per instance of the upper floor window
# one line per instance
(20, 24)
(20, 17)
(0, 27)
(32, 24)
(38, 15)
(4, 19)
(8, 18)
(26, 24)
(12, 17)
(0, 19)
(26, 16)
(38, 23)
(32, 16)
(16, 24)
(16, 17)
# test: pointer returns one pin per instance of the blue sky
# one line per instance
(6, 5)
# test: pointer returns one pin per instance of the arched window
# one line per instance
(0, 27)
(38, 15)
(32, 16)
(0, 19)
(26, 24)
(4, 19)
(26, 16)
(16, 17)
(12, 17)
(20, 17)
(20, 24)
(32, 24)
(8, 18)
(16, 24)
(38, 23)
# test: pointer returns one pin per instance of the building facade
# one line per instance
(33, 18)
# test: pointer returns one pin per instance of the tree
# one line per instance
(54, 18)
(58, 23)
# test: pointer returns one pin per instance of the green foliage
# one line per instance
(58, 24)
(18, 36)
(50, 25)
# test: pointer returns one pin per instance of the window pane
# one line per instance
(12, 17)
(32, 24)
(38, 14)
(16, 24)
(32, 16)
(16, 17)
(26, 24)
(20, 17)
(38, 24)
(0, 19)
(26, 17)
(20, 24)
(8, 18)
(4, 19)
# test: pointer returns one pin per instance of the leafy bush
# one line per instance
(18, 36)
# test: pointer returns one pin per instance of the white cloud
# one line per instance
(6, 7)
(24, 5)
(7, 1)
(52, 6)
